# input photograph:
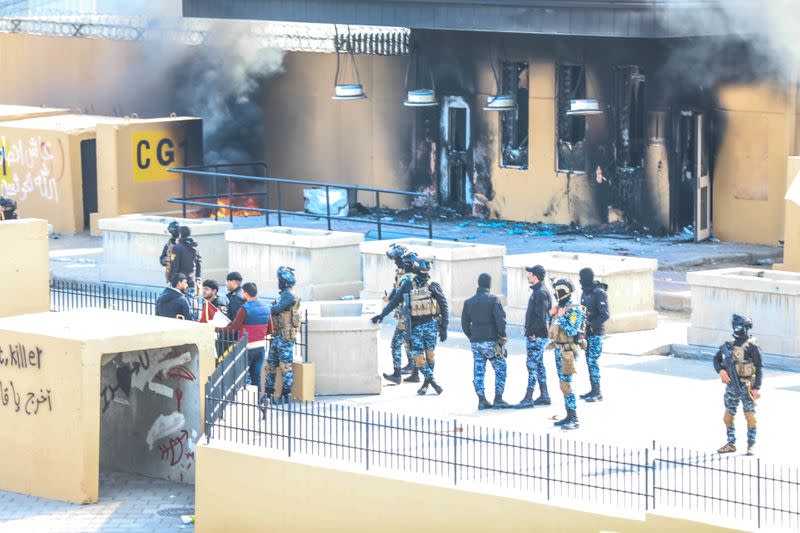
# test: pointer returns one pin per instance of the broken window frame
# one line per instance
(570, 129)
(514, 152)
(630, 116)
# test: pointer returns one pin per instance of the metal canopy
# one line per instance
(602, 18)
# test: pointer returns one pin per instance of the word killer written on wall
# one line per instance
(154, 153)
(31, 167)
(16, 397)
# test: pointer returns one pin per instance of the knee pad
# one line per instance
(271, 368)
(419, 360)
(728, 419)
(430, 356)
(750, 416)
(567, 363)
(286, 367)
(565, 387)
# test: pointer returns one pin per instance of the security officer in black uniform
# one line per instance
(595, 300)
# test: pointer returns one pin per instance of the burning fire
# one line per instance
(238, 210)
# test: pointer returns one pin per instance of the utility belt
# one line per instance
(287, 323)
(569, 353)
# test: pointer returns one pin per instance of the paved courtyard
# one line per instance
(128, 503)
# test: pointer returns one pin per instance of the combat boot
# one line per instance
(527, 401)
(595, 395)
(482, 403)
(586, 395)
(563, 421)
(395, 377)
(572, 420)
(424, 389)
(544, 397)
(414, 377)
(284, 398)
(435, 386)
(500, 403)
(409, 368)
(751, 449)
(728, 448)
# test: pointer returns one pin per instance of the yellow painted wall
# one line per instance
(791, 247)
(133, 157)
(50, 408)
(231, 495)
(309, 136)
(749, 180)
(25, 270)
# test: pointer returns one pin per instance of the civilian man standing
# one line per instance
(235, 295)
(252, 318)
(537, 320)
(172, 303)
(484, 323)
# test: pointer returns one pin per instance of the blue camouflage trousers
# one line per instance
(565, 382)
(731, 400)
(481, 352)
(423, 343)
(281, 352)
(398, 341)
(593, 352)
(535, 361)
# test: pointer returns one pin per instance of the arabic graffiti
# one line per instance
(31, 166)
(173, 449)
(24, 402)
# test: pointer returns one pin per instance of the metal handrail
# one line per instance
(212, 171)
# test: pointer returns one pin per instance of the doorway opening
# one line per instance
(455, 185)
(89, 179)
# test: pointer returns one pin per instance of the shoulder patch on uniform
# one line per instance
(573, 317)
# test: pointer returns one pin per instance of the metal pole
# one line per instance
(378, 211)
(230, 200)
(430, 227)
(455, 452)
(266, 201)
(758, 492)
(367, 435)
(183, 192)
(328, 206)
(548, 466)
(280, 209)
(214, 192)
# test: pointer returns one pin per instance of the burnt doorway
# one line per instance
(89, 179)
(455, 185)
(690, 178)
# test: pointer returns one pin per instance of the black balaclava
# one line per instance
(587, 278)
(484, 281)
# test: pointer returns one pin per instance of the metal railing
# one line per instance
(635, 479)
(226, 381)
(70, 294)
(212, 173)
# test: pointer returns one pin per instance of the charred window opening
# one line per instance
(631, 141)
(514, 124)
(570, 85)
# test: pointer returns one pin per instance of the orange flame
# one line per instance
(224, 210)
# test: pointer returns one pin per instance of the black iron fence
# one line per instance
(733, 488)
(264, 188)
(70, 294)
(227, 380)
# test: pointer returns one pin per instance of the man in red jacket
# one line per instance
(253, 318)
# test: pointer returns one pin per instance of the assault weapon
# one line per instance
(730, 367)
(406, 318)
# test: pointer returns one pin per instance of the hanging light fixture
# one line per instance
(499, 101)
(584, 107)
(349, 88)
(419, 96)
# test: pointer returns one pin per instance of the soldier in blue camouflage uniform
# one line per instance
(738, 363)
(566, 336)
(595, 301)
(286, 321)
(401, 257)
(484, 323)
(429, 318)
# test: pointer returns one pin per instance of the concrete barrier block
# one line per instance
(25, 271)
(326, 262)
(630, 285)
(771, 298)
(456, 267)
(132, 246)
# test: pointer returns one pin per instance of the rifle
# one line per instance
(406, 318)
(730, 367)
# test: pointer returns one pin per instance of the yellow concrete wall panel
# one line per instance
(750, 178)
(791, 249)
(52, 399)
(25, 273)
(230, 493)
(759, 97)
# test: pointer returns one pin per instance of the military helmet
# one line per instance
(740, 322)
(7, 203)
(174, 227)
(396, 252)
(286, 277)
(563, 290)
(420, 263)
